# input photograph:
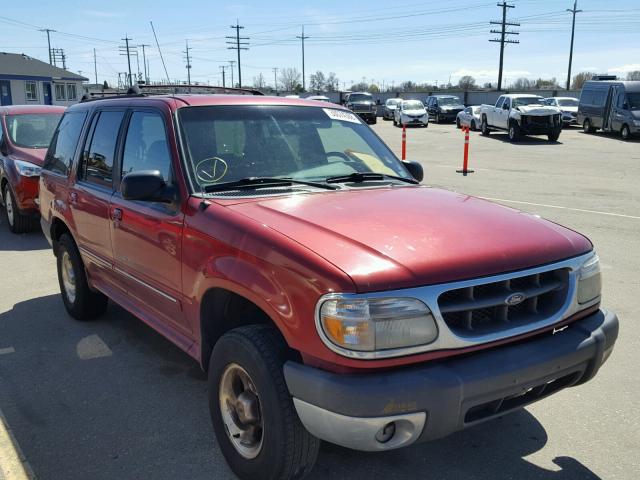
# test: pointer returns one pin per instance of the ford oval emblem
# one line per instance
(514, 299)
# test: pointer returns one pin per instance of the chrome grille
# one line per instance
(484, 309)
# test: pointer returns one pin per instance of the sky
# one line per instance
(376, 41)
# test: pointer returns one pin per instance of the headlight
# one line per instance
(589, 280)
(27, 169)
(373, 324)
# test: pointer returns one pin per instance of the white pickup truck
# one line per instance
(521, 114)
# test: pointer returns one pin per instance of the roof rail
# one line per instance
(150, 90)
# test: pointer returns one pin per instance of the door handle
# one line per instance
(117, 215)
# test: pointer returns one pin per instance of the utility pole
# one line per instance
(503, 36)
(95, 65)
(128, 54)
(224, 82)
(188, 62)
(231, 64)
(58, 54)
(302, 39)
(574, 10)
(48, 30)
(144, 62)
(275, 80)
(238, 46)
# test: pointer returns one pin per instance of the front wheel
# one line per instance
(255, 422)
(484, 127)
(554, 135)
(81, 302)
(587, 127)
(18, 223)
(458, 125)
(437, 118)
(473, 125)
(373, 121)
(625, 133)
(514, 132)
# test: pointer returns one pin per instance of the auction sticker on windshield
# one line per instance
(341, 115)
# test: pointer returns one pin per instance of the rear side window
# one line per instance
(64, 142)
(97, 165)
(146, 146)
(586, 97)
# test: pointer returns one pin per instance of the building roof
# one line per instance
(21, 65)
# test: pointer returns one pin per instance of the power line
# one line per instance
(160, 51)
(503, 36)
(573, 30)
(238, 46)
(302, 39)
(144, 62)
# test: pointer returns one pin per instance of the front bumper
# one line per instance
(432, 400)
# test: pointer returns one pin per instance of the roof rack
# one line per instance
(150, 90)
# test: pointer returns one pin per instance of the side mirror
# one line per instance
(145, 185)
(415, 169)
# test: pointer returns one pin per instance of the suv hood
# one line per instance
(450, 108)
(398, 237)
(33, 155)
(538, 110)
(417, 111)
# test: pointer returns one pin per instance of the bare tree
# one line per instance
(635, 75)
(580, 78)
(290, 79)
(332, 82)
(259, 81)
(522, 83)
(467, 82)
(543, 84)
(317, 81)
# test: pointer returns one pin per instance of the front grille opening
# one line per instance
(485, 309)
(502, 405)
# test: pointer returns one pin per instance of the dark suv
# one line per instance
(362, 104)
(329, 295)
(443, 108)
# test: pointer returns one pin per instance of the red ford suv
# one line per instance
(25, 133)
(329, 295)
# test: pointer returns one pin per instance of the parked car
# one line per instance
(521, 114)
(319, 98)
(25, 133)
(612, 106)
(390, 107)
(285, 247)
(568, 106)
(411, 112)
(469, 117)
(362, 104)
(443, 108)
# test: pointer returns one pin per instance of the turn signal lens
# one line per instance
(589, 280)
(377, 323)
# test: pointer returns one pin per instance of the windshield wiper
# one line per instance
(359, 177)
(254, 182)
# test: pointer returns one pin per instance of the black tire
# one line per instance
(473, 125)
(514, 132)
(485, 127)
(18, 223)
(458, 123)
(374, 121)
(437, 118)
(394, 120)
(554, 135)
(84, 304)
(625, 133)
(587, 127)
(287, 450)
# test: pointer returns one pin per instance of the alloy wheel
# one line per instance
(68, 277)
(8, 205)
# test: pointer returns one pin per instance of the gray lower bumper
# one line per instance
(450, 394)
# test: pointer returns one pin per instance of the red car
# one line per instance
(329, 295)
(25, 133)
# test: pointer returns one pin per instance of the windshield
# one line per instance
(229, 143)
(633, 99)
(392, 102)
(412, 105)
(360, 97)
(32, 130)
(449, 101)
(519, 102)
(568, 102)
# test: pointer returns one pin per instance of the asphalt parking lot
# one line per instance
(113, 399)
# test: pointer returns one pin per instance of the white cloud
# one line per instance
(629, 67)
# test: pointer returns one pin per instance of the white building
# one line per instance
(27, 81)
